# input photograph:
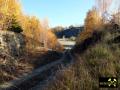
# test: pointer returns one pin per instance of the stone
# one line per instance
(12, 43)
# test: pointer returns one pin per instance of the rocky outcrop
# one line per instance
(11, 43)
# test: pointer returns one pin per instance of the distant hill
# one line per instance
(67, 32)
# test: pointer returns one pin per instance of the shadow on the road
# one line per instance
(42, 58)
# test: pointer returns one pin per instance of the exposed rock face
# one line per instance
(11, 43)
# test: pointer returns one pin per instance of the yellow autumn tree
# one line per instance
(35, 32)
(48, 38)
(32, 30)
(92, 22)
(11, 7)
(9, 10)
(52, 41)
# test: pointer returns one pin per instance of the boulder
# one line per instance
(11, 43)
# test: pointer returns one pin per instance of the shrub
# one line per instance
(92, 23)
(15, 27)
(102, 59)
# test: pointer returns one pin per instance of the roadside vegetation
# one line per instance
(38, 39)
(99, 59)
(96, 54)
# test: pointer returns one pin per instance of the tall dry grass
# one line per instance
(98, 60)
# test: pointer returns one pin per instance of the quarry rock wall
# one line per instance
(11, 43)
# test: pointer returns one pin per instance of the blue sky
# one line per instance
(58, 12)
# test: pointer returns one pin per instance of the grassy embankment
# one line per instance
(97, 56)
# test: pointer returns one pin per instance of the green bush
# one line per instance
(15, 26)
